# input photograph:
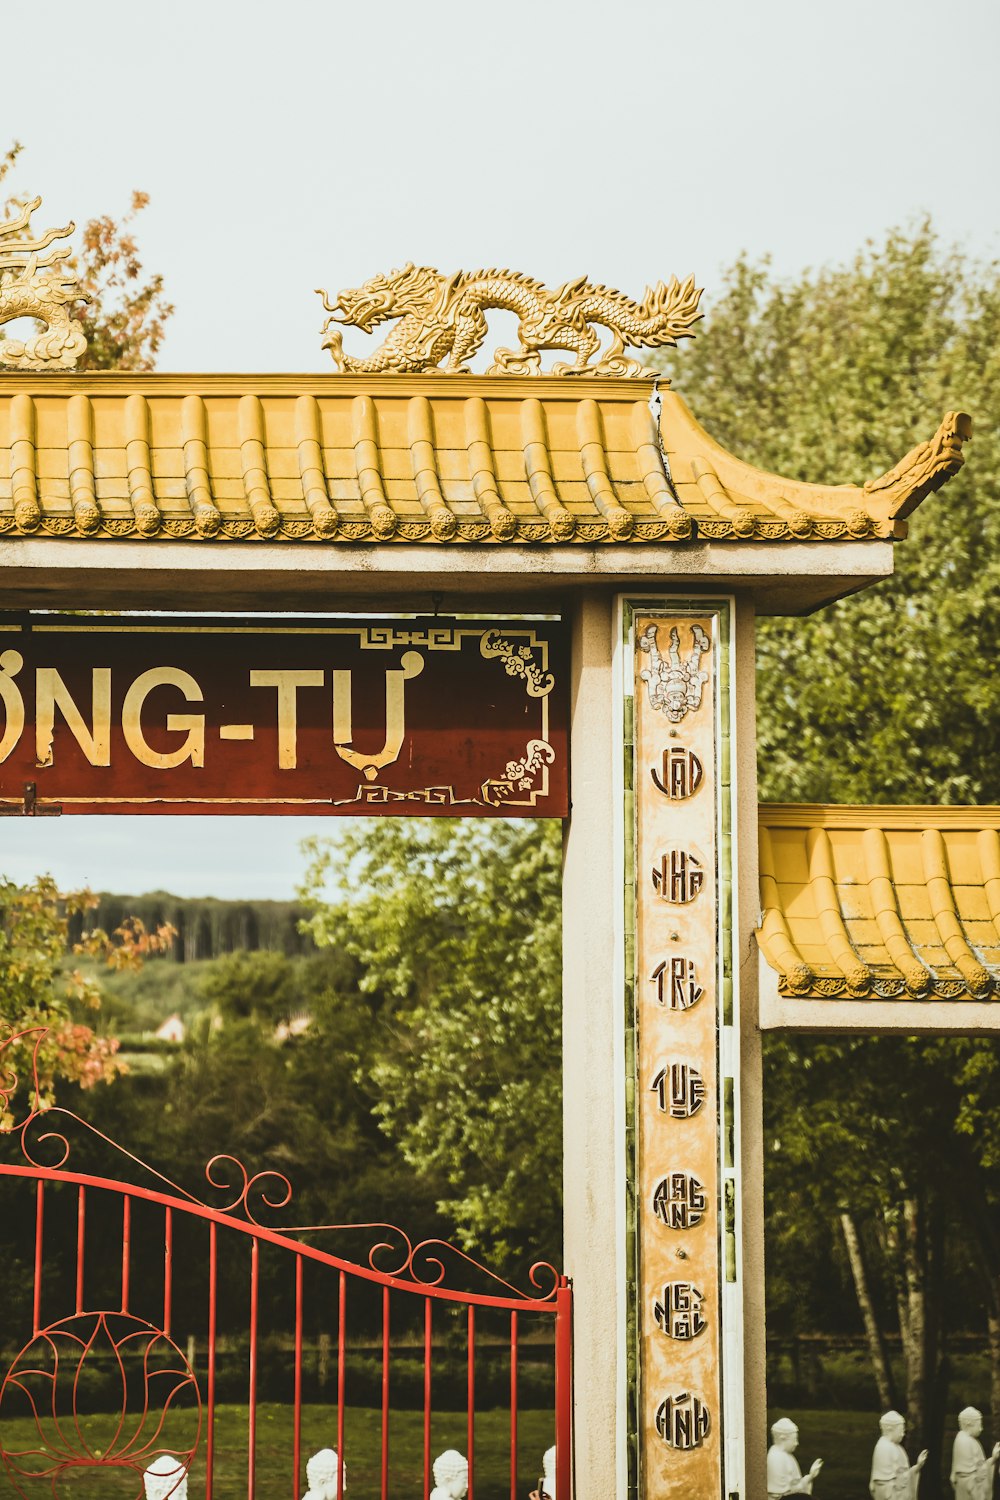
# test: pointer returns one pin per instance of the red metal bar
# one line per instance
(564, 1389)
(252, 1415)
(213, 1268)
(427, 1395)
(36, 1306)
(168, 1267)
(297, 1420)
(385, 1393)
(341, 1348)
(81, 1223)
(196, 1210)
(471, 1404)
(559, 1305)
(513, 1406)
(126, 1247)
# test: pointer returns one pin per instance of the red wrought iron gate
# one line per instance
(191, 1322)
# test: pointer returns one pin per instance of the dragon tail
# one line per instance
(668, 308)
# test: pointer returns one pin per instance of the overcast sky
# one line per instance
(293, 145)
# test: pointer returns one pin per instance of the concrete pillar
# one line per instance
(594, 1067)
(593, 1058)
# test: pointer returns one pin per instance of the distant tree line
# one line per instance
(204, 927)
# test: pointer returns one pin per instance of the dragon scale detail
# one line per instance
(37, 285)
(443, 319)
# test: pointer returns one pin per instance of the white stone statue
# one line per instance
(451, 1476)
(166, 1479)
(972, 1473)
(547, 1483)
(784, 1477)
(893, 1476)
(321, 1472)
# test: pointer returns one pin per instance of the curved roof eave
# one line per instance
(862, 905)
(442, 461)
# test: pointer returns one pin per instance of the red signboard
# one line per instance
(375, 716)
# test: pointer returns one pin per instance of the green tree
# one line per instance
(262, 984)
(874, 1131)
(455, 927)
(41, 996)
(298, 1105)
(885, 696)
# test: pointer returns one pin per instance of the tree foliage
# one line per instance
(886, 696)
(39, 990)
(455, 928)
(888, 1131)
(297, 1104)
(242, 1087)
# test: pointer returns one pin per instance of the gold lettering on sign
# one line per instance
(677, 1084)
(192, 748)
(91, 704)
(52, 693)
(11, 663)
(411, 664)
(287, 684)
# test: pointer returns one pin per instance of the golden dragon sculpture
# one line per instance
(444, 318)
(37, 285)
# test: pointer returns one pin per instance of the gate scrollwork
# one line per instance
(141, 1377)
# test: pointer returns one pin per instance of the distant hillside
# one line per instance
(206, 928)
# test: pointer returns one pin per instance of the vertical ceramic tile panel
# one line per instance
(684, 1195)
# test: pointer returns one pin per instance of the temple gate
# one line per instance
(395, 487)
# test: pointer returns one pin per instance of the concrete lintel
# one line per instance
(782, 577)
(880, 1017)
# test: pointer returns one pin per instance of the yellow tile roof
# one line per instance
(881, 902)
(431, 458)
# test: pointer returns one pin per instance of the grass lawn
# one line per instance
(843, 1439)
(363, 1439)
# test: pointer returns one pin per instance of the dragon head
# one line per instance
(411, 289)
(898, 492)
